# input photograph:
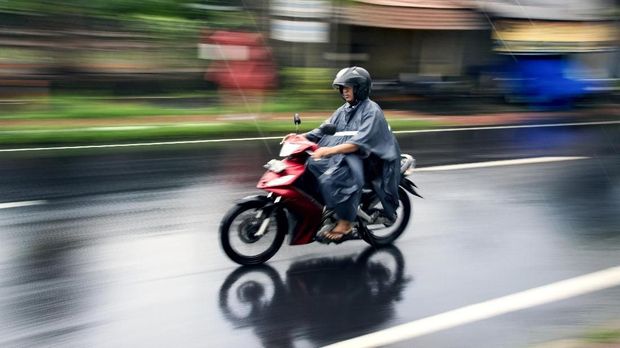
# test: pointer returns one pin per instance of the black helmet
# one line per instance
(355, 77)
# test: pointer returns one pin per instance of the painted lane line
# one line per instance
(161, 143)
(165, 143)
(561, 290)
(512, 162)
(540, 125)
(111, 128)
(20, 204)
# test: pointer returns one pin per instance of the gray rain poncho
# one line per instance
(341, 177)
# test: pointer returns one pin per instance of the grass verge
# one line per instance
(64, 107)
(52, 135)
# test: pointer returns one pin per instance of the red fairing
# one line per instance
(306, 211)
(293, 170)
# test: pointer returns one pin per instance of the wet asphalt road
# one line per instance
(120, 247)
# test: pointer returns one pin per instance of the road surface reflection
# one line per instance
(322, 299)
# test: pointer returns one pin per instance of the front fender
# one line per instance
(409, 186)
(269, 207)
(268, 204)
(254, 198)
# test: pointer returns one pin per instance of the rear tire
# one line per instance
(387, 235)
(237, 233)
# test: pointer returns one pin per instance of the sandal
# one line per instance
(328, 237)
(320, 236)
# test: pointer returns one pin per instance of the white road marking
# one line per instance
(438, 130)
(561, 290)
(162, 143)
(20, 204)
(111, 128)
(541, 125)
(512, 162)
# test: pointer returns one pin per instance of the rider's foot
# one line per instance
(341, 232)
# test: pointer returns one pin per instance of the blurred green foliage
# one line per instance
(604, 336)
(312, 87)
(155, 40)
(166, 131)
(111, 8)
(89, 107)
(167, 13)
(178, 131)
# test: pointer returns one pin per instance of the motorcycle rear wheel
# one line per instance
(238, 233)
(383, 235)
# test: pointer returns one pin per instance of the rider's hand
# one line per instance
(321, 152)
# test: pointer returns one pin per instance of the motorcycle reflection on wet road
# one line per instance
(321, 299)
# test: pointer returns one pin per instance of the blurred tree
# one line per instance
(103, 44)
(111, 8)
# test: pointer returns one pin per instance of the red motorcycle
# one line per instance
(254, 229)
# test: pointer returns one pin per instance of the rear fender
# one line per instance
(409, 186)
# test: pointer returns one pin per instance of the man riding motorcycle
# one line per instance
(362, 150)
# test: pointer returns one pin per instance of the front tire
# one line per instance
(380, 235)
(238, 232)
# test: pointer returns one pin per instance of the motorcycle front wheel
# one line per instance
(240, 237)
(379, 234)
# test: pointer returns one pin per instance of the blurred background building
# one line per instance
(415, 47)
(424, 46)
(560, 50)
